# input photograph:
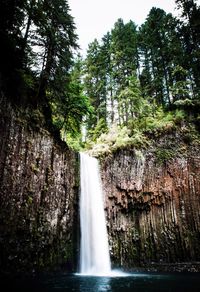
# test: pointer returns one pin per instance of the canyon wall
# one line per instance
(152, 200)
(39, 180)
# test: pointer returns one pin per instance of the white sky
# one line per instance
(94, 18)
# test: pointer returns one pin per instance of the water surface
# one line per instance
(134, 282)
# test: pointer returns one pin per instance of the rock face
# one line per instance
(152, 206)
(38, 199)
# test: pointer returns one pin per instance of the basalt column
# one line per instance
(39, 180)
(153, 208)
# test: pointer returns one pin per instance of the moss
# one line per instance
(29, 200)
(67, 253)
(191, 136)
(164, 154)
(34, 168)
(139, 154)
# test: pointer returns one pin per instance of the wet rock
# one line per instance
(38, 198)
(152, 208)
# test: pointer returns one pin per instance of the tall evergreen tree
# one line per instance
(11, 20)
(95, 81)
(38, 42)
(124, 58)
(73, 105)
(55, 29)
(160, 53)
(190, 31)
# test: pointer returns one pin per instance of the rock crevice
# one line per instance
(152, 209)
(38, 198)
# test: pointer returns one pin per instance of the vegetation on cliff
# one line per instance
(144, 81)
(37, 68)
(134, 83)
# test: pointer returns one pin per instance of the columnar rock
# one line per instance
(38, 198)
(153, 204)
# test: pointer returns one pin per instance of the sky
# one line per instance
(94, 18)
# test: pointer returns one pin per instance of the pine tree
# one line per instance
(190, 32)
(160, 52)
(73, 106)
(95, 82)
(12, 15)
(124, 59)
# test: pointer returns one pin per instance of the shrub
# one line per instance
(164, 154)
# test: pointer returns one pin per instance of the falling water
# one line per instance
(94, 256)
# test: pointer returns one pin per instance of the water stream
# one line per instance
(94, 255)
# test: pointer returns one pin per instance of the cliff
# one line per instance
(152, 200)
(38, 197)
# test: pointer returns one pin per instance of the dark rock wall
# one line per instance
(153, 208)
(38, 198)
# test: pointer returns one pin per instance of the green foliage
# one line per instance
(44, 78)
(138, 133)
(117, 138)
(69, 114)
(190, 107)
(74, 142)
(184, 102)
(158, 121)
(95, 82)
(158, 45)
(134, 77)
(163, 155)
(100, 128)
(144, 79)
(191, 135)
(72, 106)
(189, 30)
(130, 102)
(180, 87)
(179, 117)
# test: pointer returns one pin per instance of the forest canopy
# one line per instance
(134, 81)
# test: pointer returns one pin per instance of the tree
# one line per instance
(190, 31)
(95, 82)
(56, 37)
(160, 51)
(130, 101)
(11, 63)
(72, 106)
(38, 44)
(181, 86)
(124, 57)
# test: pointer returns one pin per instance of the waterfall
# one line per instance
(94, 254)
